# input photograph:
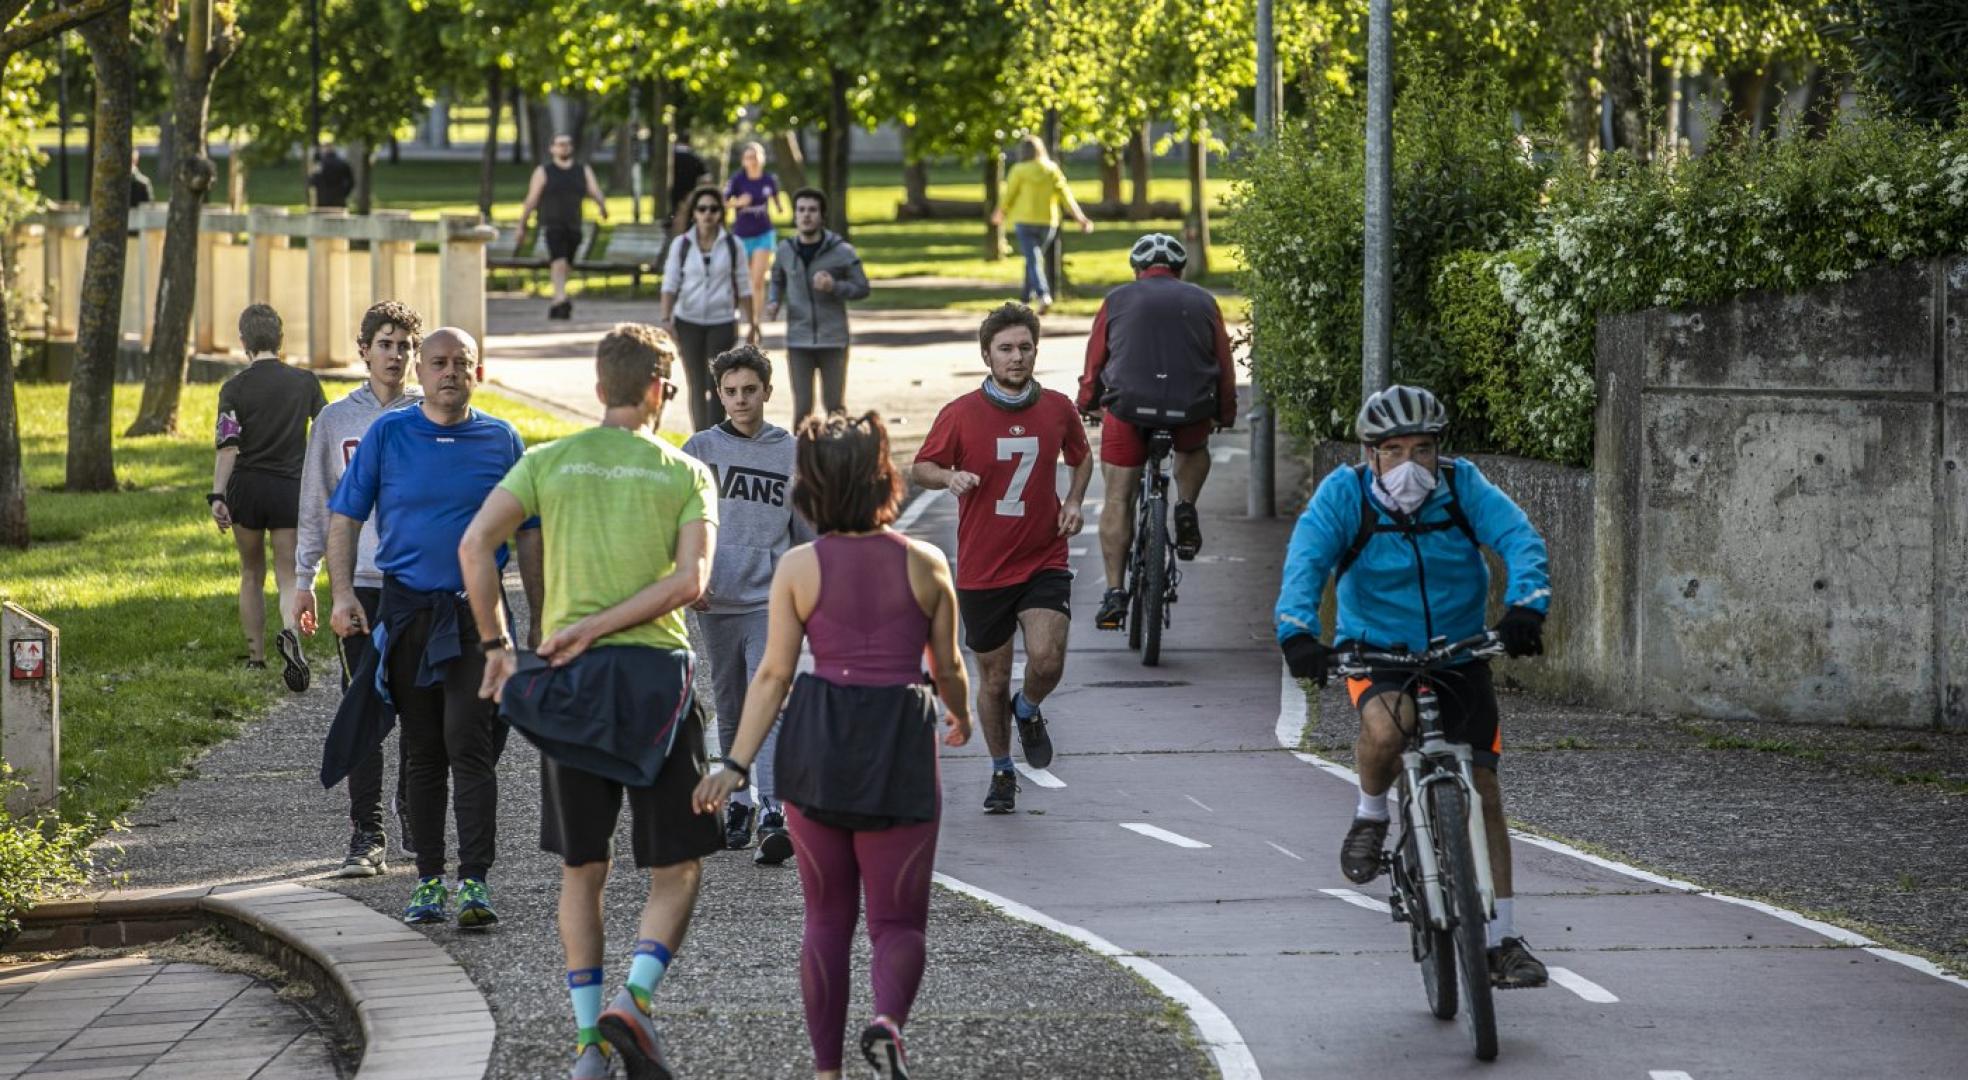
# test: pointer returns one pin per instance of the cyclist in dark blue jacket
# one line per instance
(1404, 533)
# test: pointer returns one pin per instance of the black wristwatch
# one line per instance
(212, 497)
(500, 642)
(744, 771)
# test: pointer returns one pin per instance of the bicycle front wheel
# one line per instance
(1469, 921)
(1434, 949)
(1154, 582)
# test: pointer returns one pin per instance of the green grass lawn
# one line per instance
(144, 590)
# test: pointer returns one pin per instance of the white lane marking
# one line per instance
(1291, 721)
(1076, 552)
(1667, 1074)
(1582, 986)
(1163, 835)
(1359, 900)
(1198, 802)
(1041, 777)
(1214, 1029)
(916, 508)
(1222, 454)
(1280, 849)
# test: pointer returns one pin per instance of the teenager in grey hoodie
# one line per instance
(753, 462)
(386, 342)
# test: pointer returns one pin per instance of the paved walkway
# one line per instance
(131, 1017)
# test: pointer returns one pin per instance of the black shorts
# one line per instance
(1466, 696)
(578, 809)
(563, 241)
(258, 500)
(990, 616)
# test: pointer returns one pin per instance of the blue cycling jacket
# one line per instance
(1407, 589)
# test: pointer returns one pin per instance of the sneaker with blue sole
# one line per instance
(475, 905)
(429, 903)
(633, 1035)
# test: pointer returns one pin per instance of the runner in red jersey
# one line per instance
(998, 451)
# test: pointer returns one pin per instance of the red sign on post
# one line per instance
(29, 660)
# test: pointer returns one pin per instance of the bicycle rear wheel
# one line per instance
(1470, 923)
(1153, 592)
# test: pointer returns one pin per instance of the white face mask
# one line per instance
(1406, 486)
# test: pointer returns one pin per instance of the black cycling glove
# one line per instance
(1522, 632)
(1306, 656)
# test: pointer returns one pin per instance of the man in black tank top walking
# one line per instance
(556, 191)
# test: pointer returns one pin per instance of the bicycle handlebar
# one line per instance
(1359, 661)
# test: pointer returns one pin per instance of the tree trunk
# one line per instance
(362, 160)
(91, 462)
(1110, 175)
(195, 55)
(1199, 238)
(166, 157)
(395, 151)
(519, 127)
(622, 176)
(235, 173)
(1672, 148)
(13, 487)
(1821, 96)
(1140, 160)
(788, 160)
(662, 157)
(915, 182)
(488, 156)
(835, 146)
(539, 130)
(1745, 90)
(994, 232)
(1629, 67)
(1054, 253)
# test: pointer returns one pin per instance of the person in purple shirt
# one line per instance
(754, 193)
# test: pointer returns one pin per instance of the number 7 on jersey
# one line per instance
(1025, 452)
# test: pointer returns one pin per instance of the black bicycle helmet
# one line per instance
(1400, 410)
(1158, 249)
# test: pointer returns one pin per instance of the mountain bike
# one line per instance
(1152, 574)
(1440, 867)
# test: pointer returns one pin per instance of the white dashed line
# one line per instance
(1280, 849)
(1076, 552)
(1199, 802)
(1041, 777)
(915, 509)
(1359, 900)
(1582, 986)
(1668, 1074)
(1163, 835)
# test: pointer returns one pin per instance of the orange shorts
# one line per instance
(1465, 694)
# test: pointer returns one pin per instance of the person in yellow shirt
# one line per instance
(1034, 191)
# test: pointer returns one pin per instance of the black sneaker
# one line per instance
(296, 672)
(775, 843)
(1359, 854)
(367, 856)
(562, 310)
(738, 826)
(1188, 531)
(1032, 739)
(1512, 967)
(1003, 797)
(1113, 610)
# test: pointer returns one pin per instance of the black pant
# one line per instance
(700, 344)
(832, 366)
(365, 781)
(450, 736)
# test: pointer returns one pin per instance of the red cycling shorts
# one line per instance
(1125, 446)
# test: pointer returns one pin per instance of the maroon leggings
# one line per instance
(834, 864)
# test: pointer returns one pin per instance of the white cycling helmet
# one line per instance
(1400, 410)
(1158, 249)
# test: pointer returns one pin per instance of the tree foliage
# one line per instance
(1914, 52)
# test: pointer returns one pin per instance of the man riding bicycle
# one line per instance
(1403, 535)
(1158, 357)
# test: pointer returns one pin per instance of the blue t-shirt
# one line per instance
(425, 482)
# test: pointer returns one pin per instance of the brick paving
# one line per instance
(131, 1017)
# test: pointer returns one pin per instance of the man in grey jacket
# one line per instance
(753, 462)
(385, 341)
(814, 274)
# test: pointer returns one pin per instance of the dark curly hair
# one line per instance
(390, 313)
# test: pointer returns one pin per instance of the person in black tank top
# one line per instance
(556, 191)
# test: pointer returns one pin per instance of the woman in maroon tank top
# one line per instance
(857, 759)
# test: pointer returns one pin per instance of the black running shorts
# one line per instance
(1467, 698)
(258, 500)
(563, 241)
(578, 809)
(990, 616)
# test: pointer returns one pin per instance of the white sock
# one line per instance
(1505, 924)
(1372, 807)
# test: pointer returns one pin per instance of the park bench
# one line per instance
(636, 248)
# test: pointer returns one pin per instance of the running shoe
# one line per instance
(562, 310)
(428, 903)
(296, 671)
(1003, 797)
(1113, 610)
(1359, 853)
(1032, 739)
(590, 1062)
(633, 1035)
(475, 905)
(775, 843)
(738, 826)
(1512, 967)
(367, 856)
(881, 1044)
(1188, 531)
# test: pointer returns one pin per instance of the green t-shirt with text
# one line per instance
(611, 503)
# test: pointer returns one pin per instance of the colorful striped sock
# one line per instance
(647, 962)
(584, 987)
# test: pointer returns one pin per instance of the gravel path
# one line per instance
(1858, 826)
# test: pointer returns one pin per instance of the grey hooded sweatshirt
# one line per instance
(332, 442)
(816, 320)
(756, 521)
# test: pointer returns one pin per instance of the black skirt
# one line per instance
(859, 757)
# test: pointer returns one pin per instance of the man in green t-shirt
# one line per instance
(629, 523)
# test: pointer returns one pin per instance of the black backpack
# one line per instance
(1370, 523)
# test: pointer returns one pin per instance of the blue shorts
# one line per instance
(764, 241)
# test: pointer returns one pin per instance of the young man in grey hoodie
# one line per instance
(753, 462)
(386, 341)
(814, 274)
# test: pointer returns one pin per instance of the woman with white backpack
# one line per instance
(705, 287)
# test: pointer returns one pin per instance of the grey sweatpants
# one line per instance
(734, 645)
